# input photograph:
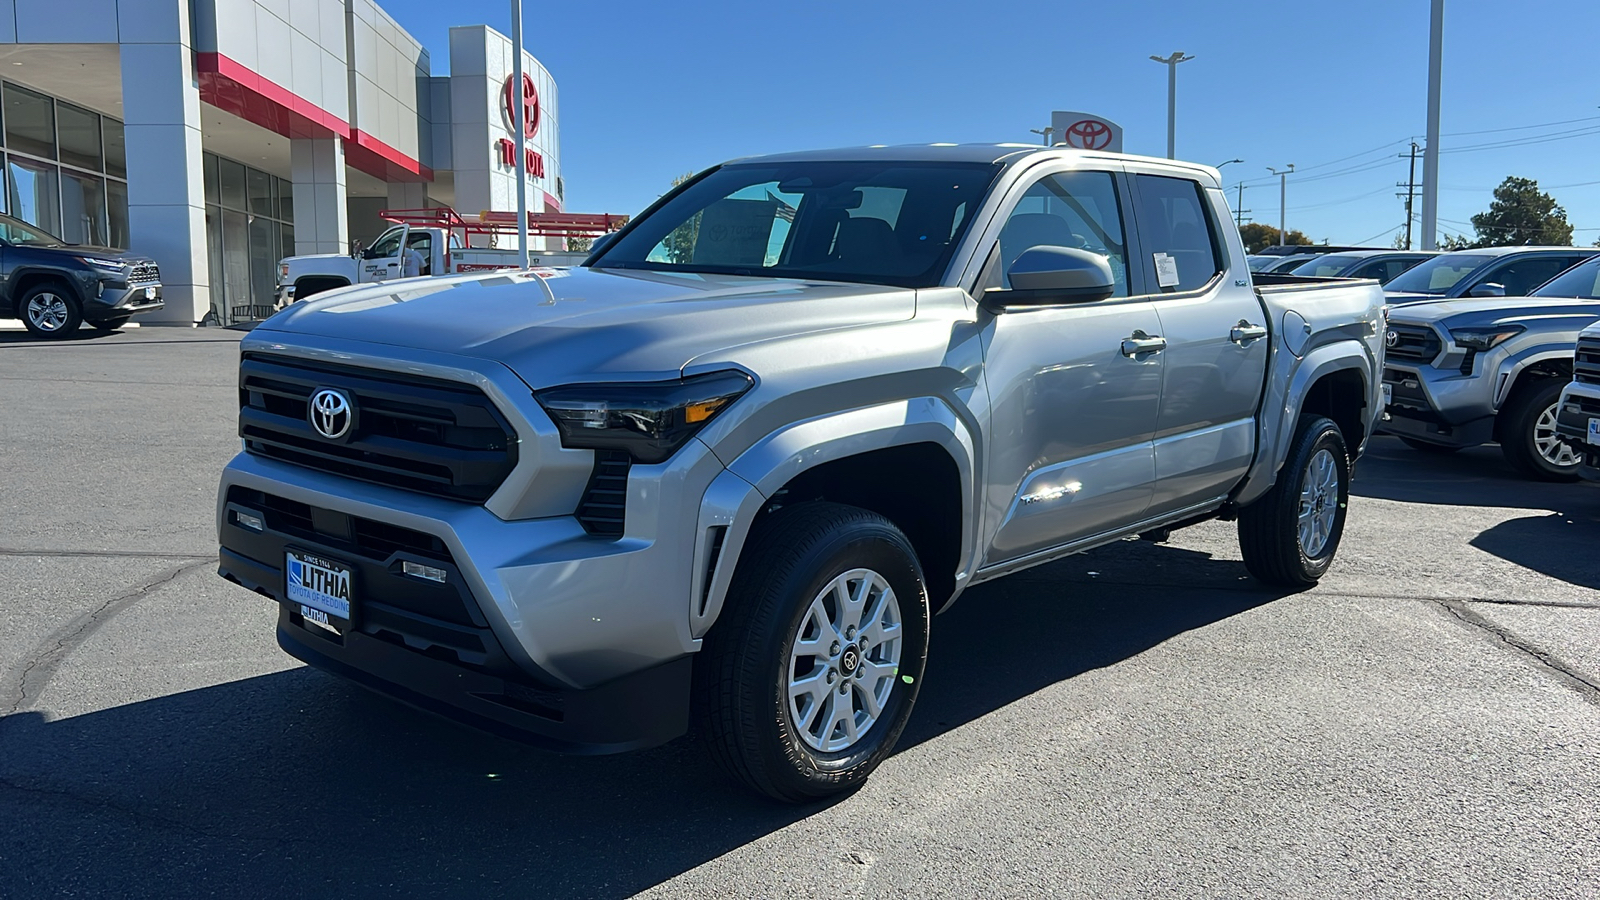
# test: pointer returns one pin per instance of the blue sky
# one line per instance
(653, 90)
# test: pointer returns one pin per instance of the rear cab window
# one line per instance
(1181, 249)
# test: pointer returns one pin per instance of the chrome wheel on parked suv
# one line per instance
(49, 311)
(1527, 433)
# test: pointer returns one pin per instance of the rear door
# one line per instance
(1215, 328)
(1073, 398)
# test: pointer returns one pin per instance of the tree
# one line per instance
(1521, 215)
(1457, 242)
(680, 243)
(1258, 237)
(579, 244)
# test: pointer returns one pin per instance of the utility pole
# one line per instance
(1239, 211)
(1430, 159)
(1283, 202)
(519, 115)
(1410, 185)
(1044, 133)
(1171, 62)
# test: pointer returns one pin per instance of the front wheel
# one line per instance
(1289, 536)
(50, 311)
(807, 680)
(1528, 437)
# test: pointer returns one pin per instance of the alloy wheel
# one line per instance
(844, 660)
(1319, 502)
(48, 312)
(1551, 447)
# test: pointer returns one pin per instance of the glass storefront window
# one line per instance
(259, 186)
(212, 179)
(117, 213)
(30, 121)
(116, 149)
(233, 189)
(79, 131)
(264, 258)
(286, 239)
(285, 200)
(83, 208)
(33, 193)
(236, 258)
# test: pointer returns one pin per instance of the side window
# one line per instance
(422, 242)
(1393, 268)
(386, 246)
(1524, 275)
(1073, 209)
(1378, 270)
(1180, 243)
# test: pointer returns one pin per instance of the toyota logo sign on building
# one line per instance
(1085, 131)
(530, 105)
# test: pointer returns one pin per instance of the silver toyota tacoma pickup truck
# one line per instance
(727, 470)
(1464, 372)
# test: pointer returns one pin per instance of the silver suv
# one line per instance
(735, 463)
(1464, 372)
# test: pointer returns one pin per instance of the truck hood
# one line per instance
(1496, 310)
(557, 326)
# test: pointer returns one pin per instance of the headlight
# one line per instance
(1481, 339)
(283, 272)
(650, 420)
(110, 265)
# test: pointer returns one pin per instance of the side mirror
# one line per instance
(1487, 289)
(1046, 275)
(601, 243)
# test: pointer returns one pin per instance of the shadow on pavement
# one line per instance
(83, 334)
(300, 784)
(1561, 545)
(1478, 476)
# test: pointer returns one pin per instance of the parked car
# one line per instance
(54, 287)
(1469, 371)
(734, 462)
(1489, 272)
(1578, 417)
(1279, 265)
(1383, 265)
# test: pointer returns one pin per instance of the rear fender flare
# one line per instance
(1280, 409)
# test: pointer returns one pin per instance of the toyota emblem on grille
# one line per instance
(1391, 339)
(331, 413)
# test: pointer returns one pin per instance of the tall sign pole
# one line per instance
(1171, 62)
(520, 114)
(1430, 153)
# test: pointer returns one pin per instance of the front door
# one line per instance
(383, 260)
(1217, 345)
(1074, 388)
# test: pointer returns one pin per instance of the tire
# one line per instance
(1426, 447)
(49, 310)
(1280, 545)
(111, 324)
(1527, 433)
(779, 602)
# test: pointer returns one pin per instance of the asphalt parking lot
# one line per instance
(1139, 721)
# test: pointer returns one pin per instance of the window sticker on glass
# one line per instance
(1166, 270)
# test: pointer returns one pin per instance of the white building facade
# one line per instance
(219, 136)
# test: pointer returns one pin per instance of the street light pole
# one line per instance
(1171, 63)
(520, 114)
(1283, 202)
(1430, 155)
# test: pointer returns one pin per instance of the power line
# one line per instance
(1520, 127)
(1386, 231)
(1523, 142)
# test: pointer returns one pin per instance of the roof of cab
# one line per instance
(969, 153)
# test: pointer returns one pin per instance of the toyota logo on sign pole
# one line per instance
(1086, 131)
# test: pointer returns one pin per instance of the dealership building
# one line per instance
(219, 136)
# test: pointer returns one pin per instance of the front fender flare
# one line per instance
(1512, 367)
(734, 497)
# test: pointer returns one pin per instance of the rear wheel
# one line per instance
(1289, 536)
(49, 310)
(1528, 435)
(1426, 447)
(806, 682)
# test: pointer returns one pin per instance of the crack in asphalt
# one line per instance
(28, 678)
(1564, 671)
(75, 554)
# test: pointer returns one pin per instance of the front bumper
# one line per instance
(1440, 406)
(118, 299)
(1580, 403)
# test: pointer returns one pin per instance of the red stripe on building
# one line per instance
(233, 88)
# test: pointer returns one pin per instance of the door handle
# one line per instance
(1141, 343)
(1244, 331)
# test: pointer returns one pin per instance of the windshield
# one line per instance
(1437, 275)
(1326, 266)
(1257, 263)
(1284, 264)
(890, 222)
(16, 231)
(1581, 281)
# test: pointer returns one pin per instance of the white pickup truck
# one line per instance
(440, 241)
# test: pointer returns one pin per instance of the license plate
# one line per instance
(320, 588)
(149, 293)
(1388, 393)
(1594, 431)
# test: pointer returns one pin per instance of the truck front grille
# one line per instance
(603, 509)
(1415, 343)
(1586, 364)
(143, 274)
(428, 435)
